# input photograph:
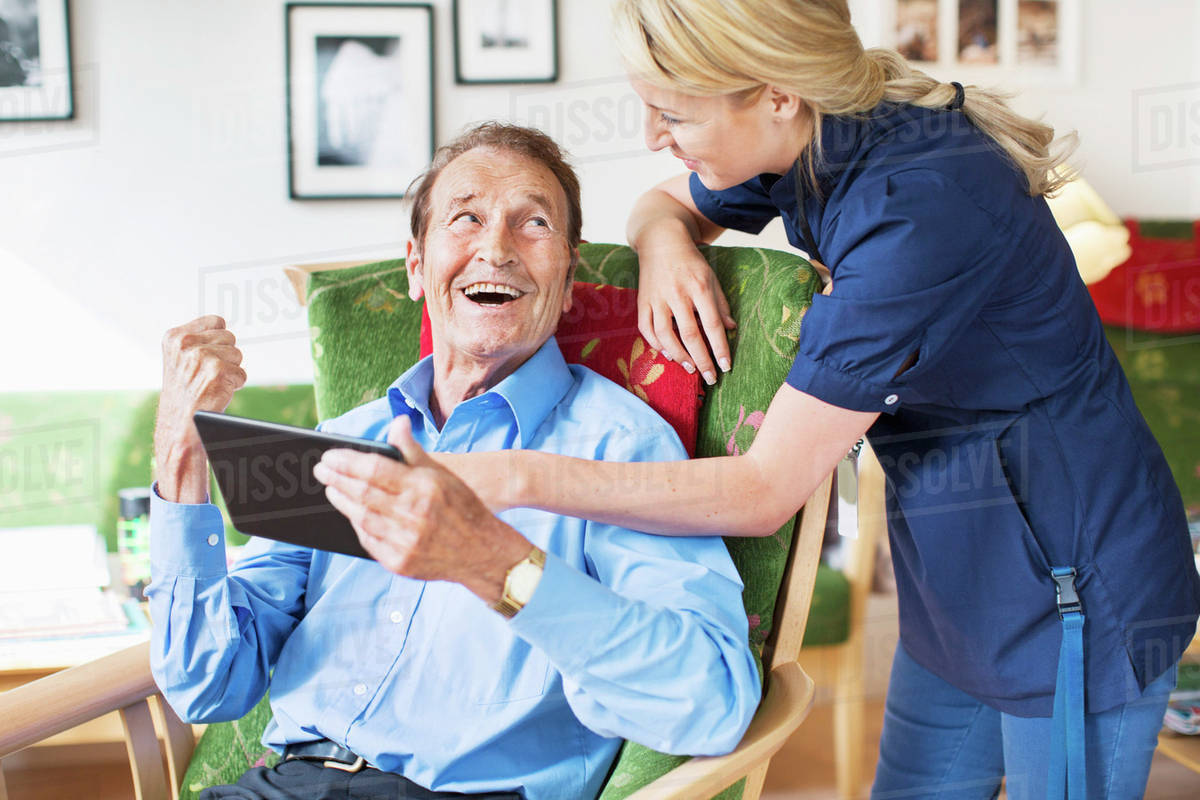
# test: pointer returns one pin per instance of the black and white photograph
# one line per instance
(505, 41)
(360, 98)
(35, 71)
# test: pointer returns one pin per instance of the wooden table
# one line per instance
(23, 661)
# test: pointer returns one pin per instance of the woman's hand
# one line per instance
(678, 294)
(682, 311)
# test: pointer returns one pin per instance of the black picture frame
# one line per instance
(35, 61)
(360, 82)
(530, 56)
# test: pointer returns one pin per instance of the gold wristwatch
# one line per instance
(520, 582)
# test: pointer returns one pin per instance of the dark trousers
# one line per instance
(309, 780)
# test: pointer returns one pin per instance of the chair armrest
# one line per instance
(119, 682)
(59, 702)
(788, 701)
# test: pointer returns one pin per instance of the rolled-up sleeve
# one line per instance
(914, 259)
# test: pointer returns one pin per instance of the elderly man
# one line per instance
(491, 656)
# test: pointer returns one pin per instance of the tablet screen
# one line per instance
(265, 473)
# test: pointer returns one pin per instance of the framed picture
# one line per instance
(505, 41)
(35, 60)
(359, 97)
(1020, 42)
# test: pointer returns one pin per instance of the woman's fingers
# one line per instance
(726, 313)
(693, 340)
(646, 322)
(664, 330)
(713, 322)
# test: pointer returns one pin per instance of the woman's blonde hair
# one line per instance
(809, 47)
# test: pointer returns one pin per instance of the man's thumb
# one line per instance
(400, 437)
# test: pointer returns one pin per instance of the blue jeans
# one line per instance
(939, 742)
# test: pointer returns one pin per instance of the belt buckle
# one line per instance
(357, 766)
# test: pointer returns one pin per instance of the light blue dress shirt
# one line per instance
(627, 635)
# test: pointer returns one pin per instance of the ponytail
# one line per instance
(1028, 143)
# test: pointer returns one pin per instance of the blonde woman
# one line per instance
(1040, 544)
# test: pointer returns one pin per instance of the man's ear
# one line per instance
(412, 263)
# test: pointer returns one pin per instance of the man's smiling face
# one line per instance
(495, 264)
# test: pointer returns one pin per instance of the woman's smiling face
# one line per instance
(726, 139)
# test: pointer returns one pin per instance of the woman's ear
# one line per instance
(413, 265)
(782, 104)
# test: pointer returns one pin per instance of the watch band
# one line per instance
(509, 604)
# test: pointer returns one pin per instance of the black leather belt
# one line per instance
(332, 754)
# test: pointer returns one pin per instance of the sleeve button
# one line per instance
(213, 539)
(891, 400)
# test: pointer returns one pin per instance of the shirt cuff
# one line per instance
(843, 389)
(567, 607)
(186, 539)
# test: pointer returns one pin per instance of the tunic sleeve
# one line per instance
(914, 258)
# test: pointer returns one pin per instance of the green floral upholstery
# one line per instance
(228, 749)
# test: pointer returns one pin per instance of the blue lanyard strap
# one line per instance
(1068, 751)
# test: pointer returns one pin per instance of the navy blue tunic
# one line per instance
(1012, 444)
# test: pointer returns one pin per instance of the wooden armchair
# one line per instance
(367, 327)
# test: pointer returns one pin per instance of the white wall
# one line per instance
(169, 190)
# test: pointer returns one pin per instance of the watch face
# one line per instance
(523, 580)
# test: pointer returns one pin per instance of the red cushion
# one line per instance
(600, 331)
(1157, 288)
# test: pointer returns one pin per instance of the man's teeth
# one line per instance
(490, 288)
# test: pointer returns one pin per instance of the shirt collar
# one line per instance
(531, 391)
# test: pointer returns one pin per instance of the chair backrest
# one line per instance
(365, 332)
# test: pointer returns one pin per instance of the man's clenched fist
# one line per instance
(201, 371)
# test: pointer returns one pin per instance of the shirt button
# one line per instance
(360, 689)
(891, 400)
(396, 616)
(213, 539)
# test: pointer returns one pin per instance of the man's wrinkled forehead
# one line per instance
(486, 174)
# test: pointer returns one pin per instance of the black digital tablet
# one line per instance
(265, 473)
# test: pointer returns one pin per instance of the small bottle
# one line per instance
(133, 539)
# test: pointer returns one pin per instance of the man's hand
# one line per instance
(418, 519)
(201, 371)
